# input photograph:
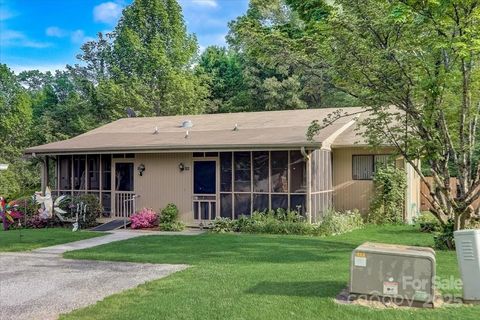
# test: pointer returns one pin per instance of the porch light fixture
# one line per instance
(3, 166)
(181, 167)
(141, 169)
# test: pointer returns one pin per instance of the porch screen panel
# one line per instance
(260, 202)
(298, 173)
(225, 172)
(226, 205)
(79, 166)
(242, 166)
(279, 171)
(93, 164)
(242, 204)
(65, 172)
(321, 184)
(260, 171)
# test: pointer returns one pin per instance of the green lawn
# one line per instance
(254, 277)
(29, 239)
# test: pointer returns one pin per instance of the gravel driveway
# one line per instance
(42, 285)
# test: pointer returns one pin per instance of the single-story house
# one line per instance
(222, 165)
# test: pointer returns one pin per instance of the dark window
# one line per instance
(226, 205)
(130, 155)
(65, 163)
(279, 201)
(106, 172)
(93, 172)
(242, 204)
(198, 154)
(79, 172)
(204, 177)
(195, 210)
(204, 210)
(363, 166)
(211, 154)
(226, 171)
(260, 202)
(124, 176)
(242, 171)
(260, 171)
(297, 202)
(279, 171)
(298, 173)
(213, 213)
(106, 202)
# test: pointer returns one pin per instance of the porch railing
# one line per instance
(124, 204)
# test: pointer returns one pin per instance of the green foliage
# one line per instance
(169, 219)
(93, 209)
(428, 222)
(389, 195)
(334, 223)
(444, 240)
(289, 222)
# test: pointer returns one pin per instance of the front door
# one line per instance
(123, 201)
(204, 190)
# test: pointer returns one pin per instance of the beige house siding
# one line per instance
(348, 193)
(163, 182)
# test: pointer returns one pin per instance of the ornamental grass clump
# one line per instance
(145, 218)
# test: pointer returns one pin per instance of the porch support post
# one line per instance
(44, 173)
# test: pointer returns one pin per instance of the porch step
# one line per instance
(111, 225)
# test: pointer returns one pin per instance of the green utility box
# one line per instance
(401, 274)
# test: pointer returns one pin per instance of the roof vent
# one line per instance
(236, 127)
(186, 134)
(187, 124)
(156, 130)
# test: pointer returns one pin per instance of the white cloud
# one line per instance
(13, 38)
(107, 12)
(55, 32)
(78, 36)
(206, 3)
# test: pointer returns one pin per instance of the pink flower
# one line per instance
(145, 218)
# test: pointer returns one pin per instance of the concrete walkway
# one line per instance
(41, 284)
(116, 235)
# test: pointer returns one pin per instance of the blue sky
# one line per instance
(47, 34)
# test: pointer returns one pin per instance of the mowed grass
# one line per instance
(29, 239)
(244, 276)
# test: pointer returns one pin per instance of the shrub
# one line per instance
(93, 210)
(145, 218)
(428, 222)
(222, 225)
(389, 195)
(36, 222)
(169, 219)
(334, 223)
(444, 240)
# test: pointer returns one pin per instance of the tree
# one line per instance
(149, 56)
(416, 65)
(281, 66)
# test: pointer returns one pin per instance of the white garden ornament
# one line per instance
(48, 206)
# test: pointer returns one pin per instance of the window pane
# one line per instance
(226, 205)
(211, 154)
(93, 172)
(279, 201)
(106, 172)
(198, 154)
(226, 171)
(204, 177)
(297, 202)
(260, 171)
(279, 171)
(213, 213)
(242, 171)
(106, 203)
(362, 167)
(79, 172)
(298, 173)
(242, 205)
(195, 210)
(204, 210)
(65, 172)
(260, 202)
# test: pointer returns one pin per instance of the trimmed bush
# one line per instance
(145, 218)
(169, 219)
(428, 222)
(289, 222)
(334, 223)
(87, 220)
